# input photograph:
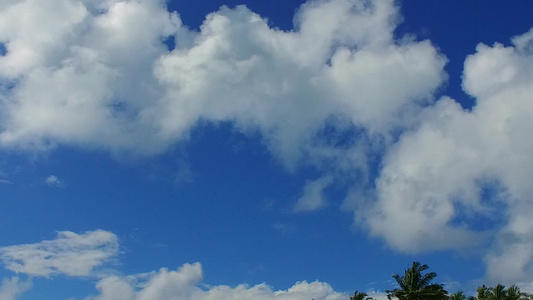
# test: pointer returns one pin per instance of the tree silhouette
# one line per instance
(358, 296)
(458, 296)
(414, 285)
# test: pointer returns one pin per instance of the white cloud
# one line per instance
(54, 181)
(11, 288)
(313, 197)
(240, 69)
(163, 284)
(103, 78)
(77, 255)
(183, 284)
(37, 38)
(69, 254)
(82, 73)
(461, 166)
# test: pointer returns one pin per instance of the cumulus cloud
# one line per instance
(69, 254)
(80, 72)
(242, 70)
(163, 284)
(184, 284)
(102, 76)
(460, 167)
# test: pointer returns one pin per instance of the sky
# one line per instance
(272, 150)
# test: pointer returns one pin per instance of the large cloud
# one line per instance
(289, 85)
(460, 169)
(79, 72)
(69, 254)
(102, 77)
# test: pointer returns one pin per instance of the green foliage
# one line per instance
(483, 293)
(358, 296)
(458, 296)
(413, 285)
(514, 293)
(499, 292)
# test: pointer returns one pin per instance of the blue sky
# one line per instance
(277, 150)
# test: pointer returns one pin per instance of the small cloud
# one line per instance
(5, 181)
(54, 181)
(313, 196)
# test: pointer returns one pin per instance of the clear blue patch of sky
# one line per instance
(280, 13)
(170, 42)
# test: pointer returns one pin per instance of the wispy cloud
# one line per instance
(69, 254)
(11, 288)
(4, 178)
(313, 197)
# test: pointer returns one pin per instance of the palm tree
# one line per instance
(458, 296)
(417, 286)
(483, 293)
(514, 293)
(358, 296)
(498, 292)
